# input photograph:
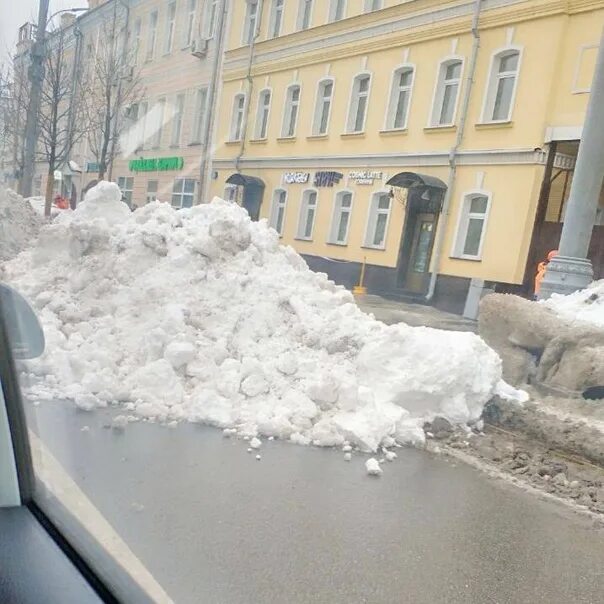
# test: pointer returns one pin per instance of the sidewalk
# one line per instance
(393, 311)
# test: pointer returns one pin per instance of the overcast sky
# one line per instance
(14, 13)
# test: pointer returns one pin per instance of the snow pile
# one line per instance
(19, 224)
(585, 305)
(201, 315)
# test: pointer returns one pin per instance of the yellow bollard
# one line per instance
(360, 289)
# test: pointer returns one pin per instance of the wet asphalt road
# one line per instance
(214, 525)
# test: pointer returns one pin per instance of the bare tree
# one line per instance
(113, 87)
(60, 118)
(14, 97)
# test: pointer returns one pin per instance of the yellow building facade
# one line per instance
(414, 136)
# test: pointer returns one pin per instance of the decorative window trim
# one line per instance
(331, 239)
(209, 25)
(366, 238)
(367, 6)
(317, 112)
(349, 113)
(272, 19)
(248, 36)
(461, 230)
(391, 107)
(488, 99)
(299, 15)
(170, 31)
(331, 14)
(432, 122)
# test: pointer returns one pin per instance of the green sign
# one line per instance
(156, 163)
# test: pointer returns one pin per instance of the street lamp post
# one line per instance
(36, 78)
(571, 269)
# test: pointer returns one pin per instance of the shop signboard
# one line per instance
(365, 177)
(327, 179)
(156, 164)
(296, 177)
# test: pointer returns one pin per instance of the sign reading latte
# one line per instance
(296, 177)
(364, 177)
(155, 164)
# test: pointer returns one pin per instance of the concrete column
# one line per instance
(571, 270)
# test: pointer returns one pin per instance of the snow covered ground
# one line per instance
(201, 315)
(586, 305)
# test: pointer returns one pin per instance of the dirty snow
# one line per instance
(200, 315)
(585, 305)
(19, 224)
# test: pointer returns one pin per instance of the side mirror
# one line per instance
(24, 332)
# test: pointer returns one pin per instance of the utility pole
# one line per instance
(36, 78)
(571, 269)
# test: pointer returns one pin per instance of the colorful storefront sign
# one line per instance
(155, 164)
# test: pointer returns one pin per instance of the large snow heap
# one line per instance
(19, 224)
(201, 315)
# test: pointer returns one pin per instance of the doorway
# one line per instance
(253, 193)
(423, 203)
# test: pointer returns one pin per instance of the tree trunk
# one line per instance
(50, 185)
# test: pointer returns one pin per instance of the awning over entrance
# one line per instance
(244, 180)
(412, 180)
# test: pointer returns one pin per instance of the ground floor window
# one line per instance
(471, 226)
(308, 210)
(183, 192)
(377, 222)
(126, 184)
(340, 221)
(152, 186)
(278, 210)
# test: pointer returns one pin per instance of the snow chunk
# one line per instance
(373, 467)
(255, 443)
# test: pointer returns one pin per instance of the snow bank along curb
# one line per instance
(201, 315)
(585, 306)
(19, 224)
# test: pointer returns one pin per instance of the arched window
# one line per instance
(323, 106)
(359, 101)
(277, 217)
(501, 86)
(471, 226)
(290, 114)
(400, 97)
(340, 220)
(237, 118)
(377, 220)
(262, 113)
(308, 211)
(446, 93)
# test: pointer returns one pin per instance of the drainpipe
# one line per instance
(210, 113)
(442, 227)
(250, 87)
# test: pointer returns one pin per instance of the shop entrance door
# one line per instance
(422, 239)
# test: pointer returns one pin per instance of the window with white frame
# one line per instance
(446, 93)
(191, 17)
(152, 36)
(276, 19)
(377, 223)
(402, 82)
(232, 192)
(179, 109)
(304, 14)
(136, 38)
(183, 192)
(308, 210)
(209, 18)
(249, 25)
(359, 98)
(201, 102)
(152, 188)
(337, 10)
(371, 5)
(323, 108)
(237, 119)
(471, 228)
(171, 21)
(340, 221)
(501, 86)
(278, 210)
(264, 106)
(126, 184)
(160, 111)
(290, 115)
